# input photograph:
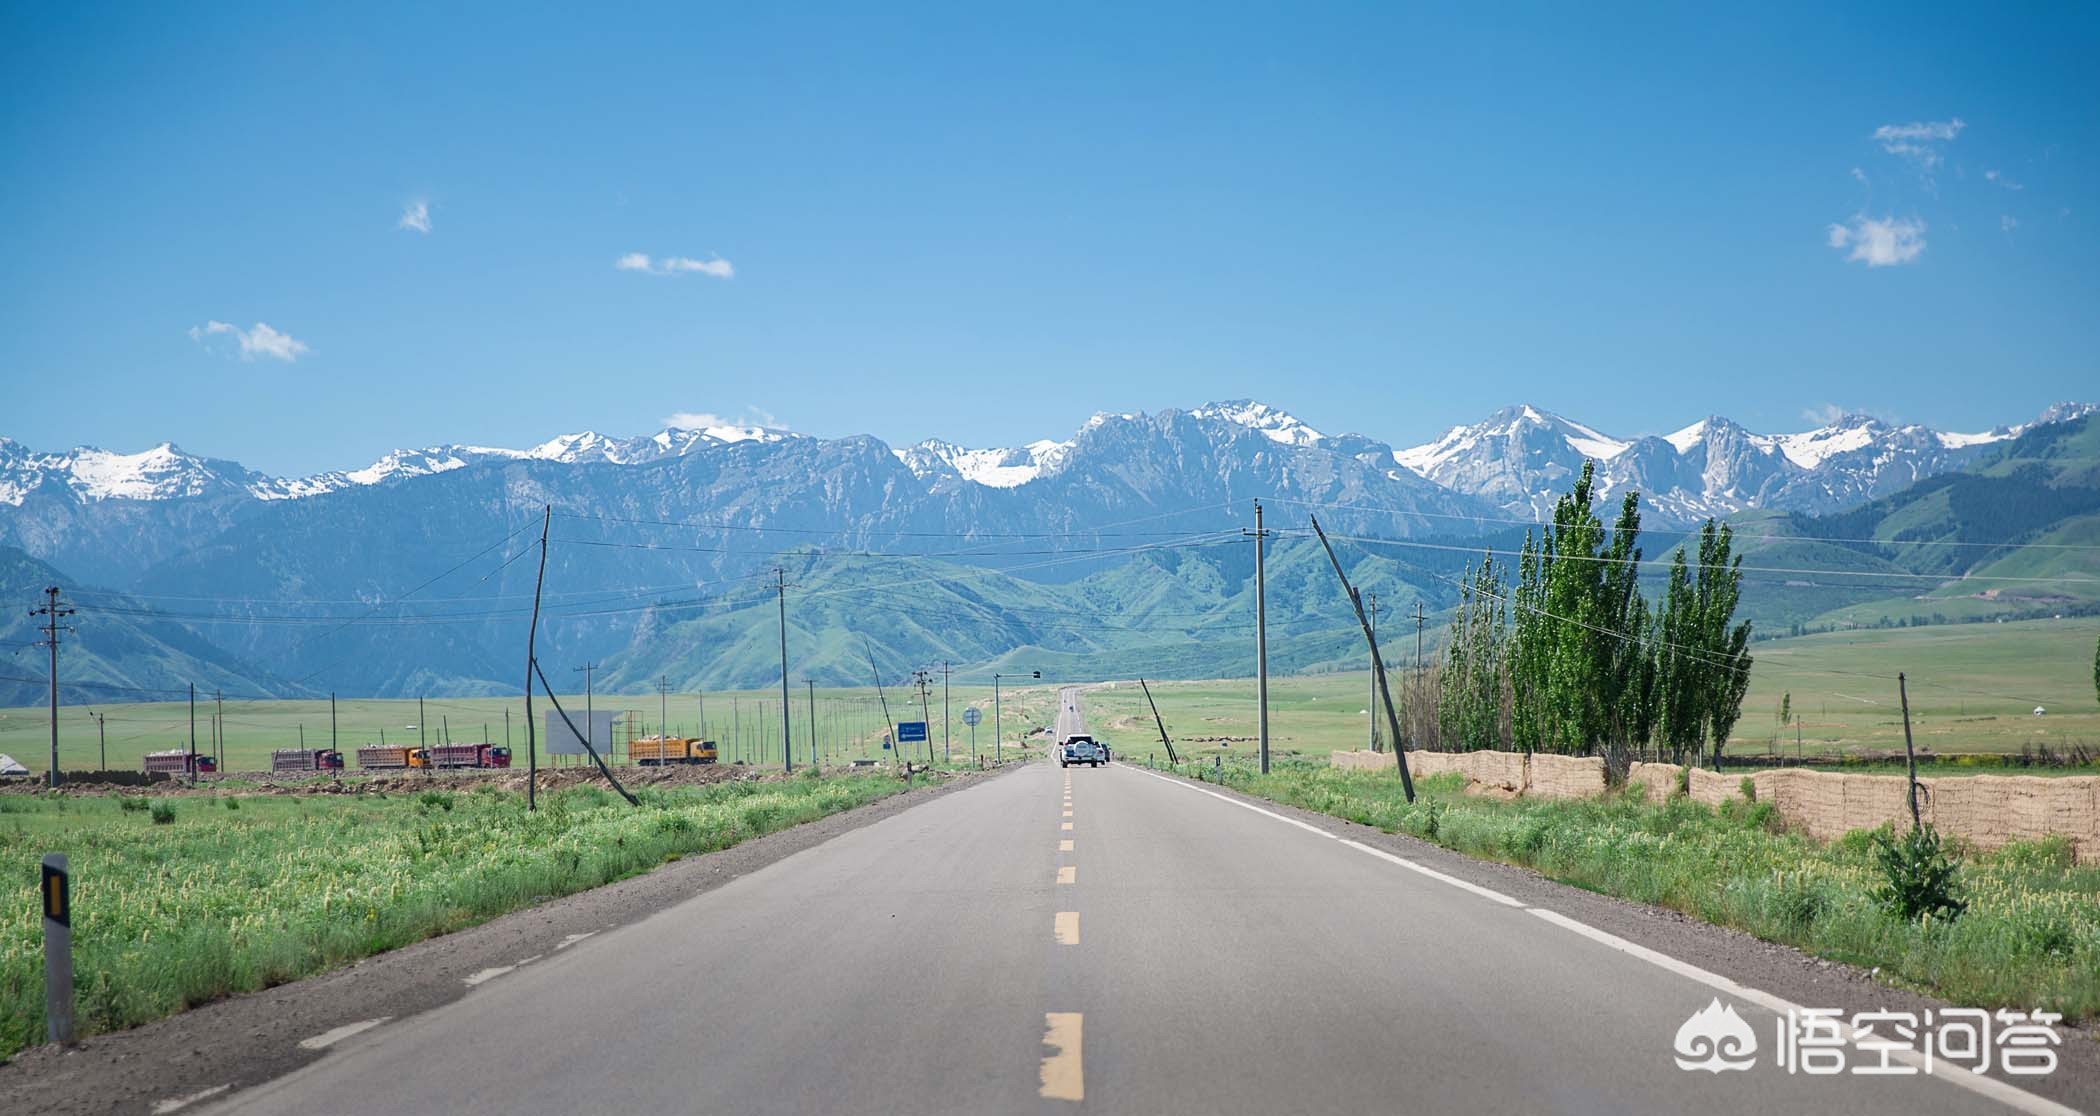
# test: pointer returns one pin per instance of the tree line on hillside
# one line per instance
(1572, 659)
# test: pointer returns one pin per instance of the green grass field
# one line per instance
(180, 899)
(1973, 688)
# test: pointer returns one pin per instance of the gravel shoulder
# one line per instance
(245, 1040)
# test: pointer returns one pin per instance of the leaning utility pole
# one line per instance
(1261, 640)
(1909, 755)
(1392, 719)
(532, 749)
(52, 614)
(1171, 757)
(787, 740)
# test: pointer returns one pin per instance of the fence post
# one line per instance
(58, 949)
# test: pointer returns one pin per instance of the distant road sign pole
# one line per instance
(971, 716)
(58, 949)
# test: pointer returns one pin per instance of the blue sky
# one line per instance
(985, 224)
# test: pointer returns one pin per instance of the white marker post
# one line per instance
(58, 949)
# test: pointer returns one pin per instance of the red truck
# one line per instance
(469, 755)
(179, 762)
(306, 759)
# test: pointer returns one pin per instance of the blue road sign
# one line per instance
(972, 715)
(911, 732)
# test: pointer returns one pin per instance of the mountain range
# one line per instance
(410, 575)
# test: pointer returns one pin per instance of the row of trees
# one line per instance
(1573, 659)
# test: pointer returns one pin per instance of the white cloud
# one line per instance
(716, 267)
(1859, 175)
(415, 218)
(2001, 180)
(1880, 243)
(1921, 130)
(1915, 141)
(703, 420)
(260, 341)
(1825, 414)
(2008, 224)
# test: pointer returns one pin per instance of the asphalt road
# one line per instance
(1152, 947)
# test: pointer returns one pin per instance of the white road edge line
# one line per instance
(177, 1104)
(326, 1039)
(486, 975)
(1990, 1087)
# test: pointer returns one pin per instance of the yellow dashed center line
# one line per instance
(1068, 874)
(1064, 846)
(1066, 928)
(1068, 813)
(1063, 1077)
(1066, 826)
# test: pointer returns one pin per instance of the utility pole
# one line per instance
(947, 754)
(1261, 639)
(218, 720)
(1910, 756)
(924, 679)
(52, 614)
(590, 721)
(193, 734)
(813, 744)
(1371, 719)
(663, 711)
(1418, 702)
(787, 742)
(332, 745)
(102, 740)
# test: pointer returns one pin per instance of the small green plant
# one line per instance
(231, 803)
(434, 800)
(131, 803)
(1918, 876)
(1749, 788)
(163, 812)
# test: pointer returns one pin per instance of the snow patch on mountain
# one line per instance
(1275, 425)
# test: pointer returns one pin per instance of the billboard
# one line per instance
(561, 742)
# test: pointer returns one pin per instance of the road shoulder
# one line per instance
(1780, 970)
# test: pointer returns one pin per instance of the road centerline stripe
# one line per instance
(1063, 1076)
(1066, 928)
(1064, 846)
(1068, 874)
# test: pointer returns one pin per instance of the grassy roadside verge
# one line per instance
(237, 893)
(2030, 937)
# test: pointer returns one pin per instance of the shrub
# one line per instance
(1918, 877)
(163, 811)
(131, 803)
(434, 800)
(1749, 788)
(231, 803)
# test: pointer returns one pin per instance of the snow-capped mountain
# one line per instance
(1522, 458)
(163, 472)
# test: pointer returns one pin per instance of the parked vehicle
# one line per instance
(179, 762)
(1082, 749)
(388, 757)
(306, 759)
(656, 751)
(469, 755)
